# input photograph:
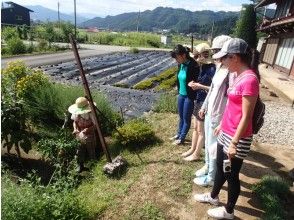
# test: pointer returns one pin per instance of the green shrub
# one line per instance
(166, 103)
(42, 44)
(272, 192)
(134, 50)
(135, 133)
(14, 130)
(59, 149)
(9, 33)
(24, 201)
(4, 51)
(16, 46)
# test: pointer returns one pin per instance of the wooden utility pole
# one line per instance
(89, 96)
(75, 11)
(138, 21)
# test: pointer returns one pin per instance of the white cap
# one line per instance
(235, 45)
(200, 48)
(219, 41)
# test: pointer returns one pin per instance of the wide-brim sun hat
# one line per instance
(81, 106)
(233, 46)
(202, 47)
(218, 42)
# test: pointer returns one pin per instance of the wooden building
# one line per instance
(14, 14)
(278, 48)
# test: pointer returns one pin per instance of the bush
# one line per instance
(166, 103)
(59, 149)
(9, 33)
(134, 50)
(24, 201)
(13, 118)
(135, 133)
(272, 191)
(16, 46)
(42, 45)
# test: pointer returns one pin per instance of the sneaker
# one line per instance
(220, 213)
(201, 172)
(206, 198)
(202, 181)
(177, 142)
(176, 137)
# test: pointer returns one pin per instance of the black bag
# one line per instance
(258, 116)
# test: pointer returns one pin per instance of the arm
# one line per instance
(248, 103)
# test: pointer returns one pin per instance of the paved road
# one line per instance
(88, 50)
(45, 59)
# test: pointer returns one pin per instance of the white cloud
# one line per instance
(114, 7)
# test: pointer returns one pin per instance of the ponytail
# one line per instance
(251, 58)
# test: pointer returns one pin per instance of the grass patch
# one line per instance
(149, 211)
(167, 78)
(152, 184)
(166, 103)
(272, 191)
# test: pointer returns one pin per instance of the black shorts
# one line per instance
(197, 107)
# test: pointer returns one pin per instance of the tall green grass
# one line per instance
(166, 103)
(25, 201)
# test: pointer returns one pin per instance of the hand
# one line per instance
(232, 151)
(201, 113)
(190, 84)
(75, 131)
(217, 130)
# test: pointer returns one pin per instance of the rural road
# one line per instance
(88, 50)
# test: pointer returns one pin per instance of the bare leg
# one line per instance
(200, 141)
(194, 139)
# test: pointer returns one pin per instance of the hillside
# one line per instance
(45, 14)
(163, 18)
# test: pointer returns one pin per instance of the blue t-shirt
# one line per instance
(182, 77)
(205, 78)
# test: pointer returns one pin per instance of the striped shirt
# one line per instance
(243, 146)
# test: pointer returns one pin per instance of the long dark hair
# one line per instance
(251, 58)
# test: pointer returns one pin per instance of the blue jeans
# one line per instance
(185, 109)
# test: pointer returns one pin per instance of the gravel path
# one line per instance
(278, 128)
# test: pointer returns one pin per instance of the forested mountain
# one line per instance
(179, 20)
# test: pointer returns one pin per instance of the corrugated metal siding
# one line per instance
(270, 51)
(285, 53)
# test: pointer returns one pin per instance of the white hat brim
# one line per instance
(219, 55)
(74, 109)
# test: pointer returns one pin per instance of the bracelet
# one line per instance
(234, 142)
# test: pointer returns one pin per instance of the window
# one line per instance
(285, 53)
(18, 17)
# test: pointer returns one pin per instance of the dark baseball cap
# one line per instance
(234, 45)
(179, 49)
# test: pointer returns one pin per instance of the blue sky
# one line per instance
(114, 7)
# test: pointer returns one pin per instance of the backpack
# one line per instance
(258, 113)
(258, 116)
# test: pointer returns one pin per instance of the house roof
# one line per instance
(264, 3)
(14, 4)
(285, 24)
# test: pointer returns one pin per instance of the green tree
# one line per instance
(67, 28)
(9, 32)
(245, 27)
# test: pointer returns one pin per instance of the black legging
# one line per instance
(232, 178)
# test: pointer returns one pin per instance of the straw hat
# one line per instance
(81, 106)
(200, 48)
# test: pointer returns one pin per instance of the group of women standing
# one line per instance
(221, 94)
